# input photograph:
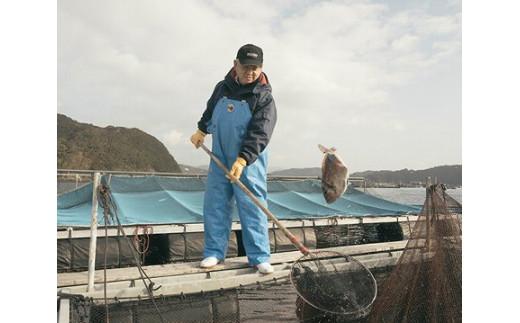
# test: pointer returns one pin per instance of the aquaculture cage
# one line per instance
(163, 217)
(426, 284)
(176, 290)
(270, 300)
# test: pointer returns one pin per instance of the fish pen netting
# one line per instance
(426, 283)
(266, 302)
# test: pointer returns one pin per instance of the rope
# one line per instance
(409, 227)
(332, 231)
(142, 242)
(110, 207)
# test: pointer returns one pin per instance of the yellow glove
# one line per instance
(197, 139)
(237, 168)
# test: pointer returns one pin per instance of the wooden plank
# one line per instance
(175, 287)
(130, 230)
(71, 232)
(217, 275)
(119, 274)
(64, 314)
(203, 276)
(189, 287)
(408, 218)
(139, 283)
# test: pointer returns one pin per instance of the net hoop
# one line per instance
(359, 313)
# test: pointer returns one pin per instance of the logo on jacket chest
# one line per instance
(230, 107)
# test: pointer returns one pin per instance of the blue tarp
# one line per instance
(162, 200)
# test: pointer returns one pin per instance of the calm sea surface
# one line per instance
(409, 195)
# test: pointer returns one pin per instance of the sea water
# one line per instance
(409, 195)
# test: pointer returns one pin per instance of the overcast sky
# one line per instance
(379, 80)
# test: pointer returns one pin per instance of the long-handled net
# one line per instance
(334, 283)
(328, 281)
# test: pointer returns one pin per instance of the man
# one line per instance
(241, 116)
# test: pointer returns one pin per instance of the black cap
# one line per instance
(250, 55)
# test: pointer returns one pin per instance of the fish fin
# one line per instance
(323, 149)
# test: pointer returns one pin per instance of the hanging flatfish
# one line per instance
(334, 174)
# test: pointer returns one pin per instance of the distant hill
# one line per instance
(85, 146)
(451, 175)
(312, 171)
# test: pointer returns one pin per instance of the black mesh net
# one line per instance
(426, 284)
(334, 283)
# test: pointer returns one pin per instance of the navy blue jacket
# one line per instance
(263, 110)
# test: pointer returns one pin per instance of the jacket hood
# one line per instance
(260, 85)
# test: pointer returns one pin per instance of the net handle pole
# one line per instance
(93, 233)
(266, 211)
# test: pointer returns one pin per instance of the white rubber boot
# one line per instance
(208, 262)
(265, 268)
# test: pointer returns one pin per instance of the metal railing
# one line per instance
(77, 174)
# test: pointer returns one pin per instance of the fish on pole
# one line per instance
(93, 234)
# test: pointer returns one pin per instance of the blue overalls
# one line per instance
(228, 126)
